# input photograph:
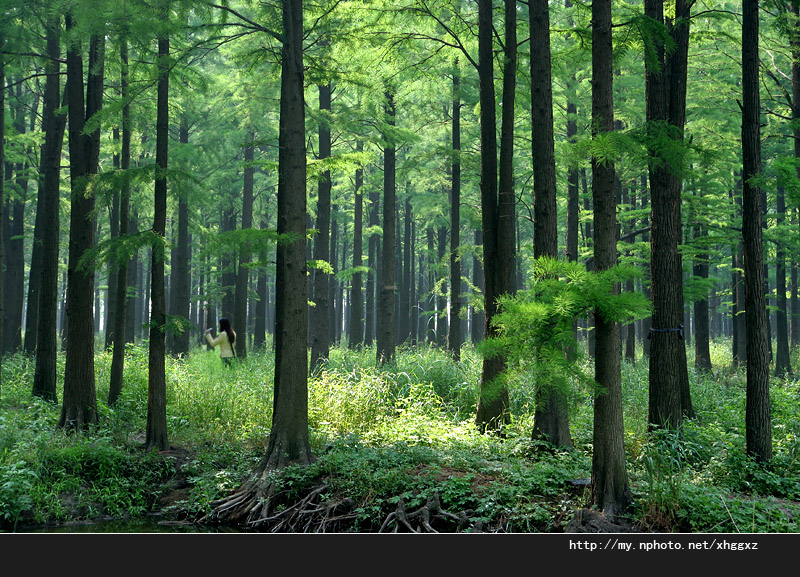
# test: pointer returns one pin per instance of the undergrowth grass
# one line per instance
(404, 430)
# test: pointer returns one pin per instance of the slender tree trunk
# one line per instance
(125, 278)
(783, 365)
(2, 181)
(758, 423)
(702, 351)
(477, 322)
(179, 266)
(243, 270)
(156, 432)
(454, 340)
(385, 340)
(79, 407)
(320, 315)
(497, 202)
(551, 416)
(355, 337)
(373, 244)
(45, 373)
(610, 491)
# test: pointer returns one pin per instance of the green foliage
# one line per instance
(536, 327)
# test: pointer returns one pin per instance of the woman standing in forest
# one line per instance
(224, 340)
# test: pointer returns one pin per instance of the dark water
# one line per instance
(145, 525)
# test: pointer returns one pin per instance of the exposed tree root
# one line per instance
(422, 520)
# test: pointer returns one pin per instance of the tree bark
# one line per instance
(156, 431)
(783, 365)
(355, 338)
(45, 373)
(758, 422)
(178, 334)
(665, 81)
(320, 315)
(243, 269)
(122, 316)
(497, 203)
(385, 332)
(79, 407)
(610, 491)
(454, 340)
(551, 415)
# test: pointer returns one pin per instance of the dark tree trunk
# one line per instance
(156, 432)
(758, 422)
(385, 336)
(114, 222)
(795, 46)
(14, 230)
(126, 270)
(243, 270)
(262, 305)
(133, 312)
(355, 337)
(497, 202)
(289, 436)
(454, 340)
(610, 491)
(551, 416)
(179, 265)
(739, 351)
(79, 407)
(405, 291)
(227, 263)
(372, 263)
(2, 181)
(45, 373)
(333, 255)
(666, 105)
(702, 350)
(783, 365)
(441, 297)
(320, 315)
(477, 322)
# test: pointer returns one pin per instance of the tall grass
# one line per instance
(410, 427)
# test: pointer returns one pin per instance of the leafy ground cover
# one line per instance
(395, 447)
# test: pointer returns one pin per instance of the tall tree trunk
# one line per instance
(497, 202)
(289, 437)
(758, 423)
(610, 491)
(405, 292)
(385, 340)
(702, 350)
(2, 181)
(373, 245)
(45, 373)
(320, 315)
(179, 266)
(477, 323)
(14, 228)
(355, 338)
(795, 46)
(262, 306)
(665, 81)
(783, 365)
(454, 340)
(551, 415)
(79, 407)
(126, 268)
(243, 270)
(156, 431)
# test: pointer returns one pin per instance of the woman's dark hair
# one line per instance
(225, 325)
